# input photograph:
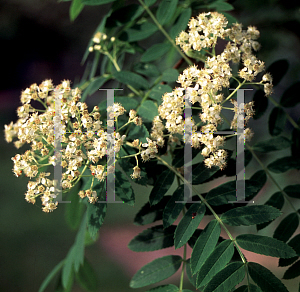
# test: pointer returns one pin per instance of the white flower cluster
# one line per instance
(205, 85)
(87, 136)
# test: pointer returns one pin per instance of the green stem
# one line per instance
(207, 205)
(165, 33)
(113, 60)
(233, 92)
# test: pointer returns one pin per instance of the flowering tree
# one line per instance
(207, 54)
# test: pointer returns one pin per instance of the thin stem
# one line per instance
(207, 205)
(233, 92)
(113, 60)
(165, 33)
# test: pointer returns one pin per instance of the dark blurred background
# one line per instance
(39, 42)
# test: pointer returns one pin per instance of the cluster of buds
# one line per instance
(100, 41)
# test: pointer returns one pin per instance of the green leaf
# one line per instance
(149, 214)
(75, 9)
(161, 186)
(277, 121)
(292, 272)
(173, 209)
(155, 52)
(147, 69)
(139, 32)
(265, 279)
(156, 271)
(216, 261)
(260, 104)
(170, 75)
(139, 132)
(132, 79)
(205, 244)
(88, 240)
(277, 201)
(188, 225)
(123, 188)
(220, 5)
(59, 286)
(74, 210)
(261, 177)
(178, 159)
(227, 278)
(164, 288)
(287, 227)
(231, 19)
(290, 97)
(147, 111)
(96, 2)
(154, 238)
(295, 149)
(181, 22)
(284, 164)
(51, 275)
(149, 2)
(272, 144)
(86, 277)
(250, 215)
(226, 192)
(244, 288)
(127, 102)
(96, 212)
(158, 91)
(124, 15)
(265, 245)
(96, 84)
(192, 278)
(166, 10)
(75, 256)
(278, 69)
(293, 191)
(201, 173)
